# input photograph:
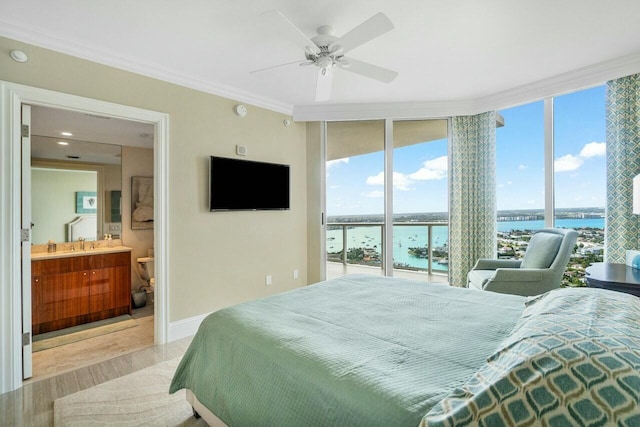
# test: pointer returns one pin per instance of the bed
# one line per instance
(379, 351)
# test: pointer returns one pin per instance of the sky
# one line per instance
(355, 185)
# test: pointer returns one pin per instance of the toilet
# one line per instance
(145, 266)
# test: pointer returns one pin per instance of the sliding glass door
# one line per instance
(420, 197)
(387, 222)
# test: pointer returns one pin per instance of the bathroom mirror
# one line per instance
(59, 188)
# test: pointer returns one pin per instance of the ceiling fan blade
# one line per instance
(368, 70)
(303, 62)
(289, 30)
(373, 27)
(323, 84)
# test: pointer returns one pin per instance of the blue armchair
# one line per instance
(539, 271)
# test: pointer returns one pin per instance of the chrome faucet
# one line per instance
(81, 240)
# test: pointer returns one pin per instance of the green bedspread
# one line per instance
(358, 350)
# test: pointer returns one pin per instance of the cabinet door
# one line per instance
(36, 302)
(122, 282)
(101, 290)
(63, 295)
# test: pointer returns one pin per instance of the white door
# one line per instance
(26, 242)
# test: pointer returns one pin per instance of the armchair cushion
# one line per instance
(479, 278)
(542, 250)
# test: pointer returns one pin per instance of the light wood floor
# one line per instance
(78, 366)
(58, 360)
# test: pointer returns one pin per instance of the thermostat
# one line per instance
(241, 110)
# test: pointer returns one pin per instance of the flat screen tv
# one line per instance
(238, 184)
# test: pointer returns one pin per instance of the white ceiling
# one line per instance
(94, 139)
(453, 50)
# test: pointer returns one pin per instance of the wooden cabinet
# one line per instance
(70, 291)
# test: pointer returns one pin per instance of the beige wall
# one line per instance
(314, 230)
(216, 259)
(135, 162)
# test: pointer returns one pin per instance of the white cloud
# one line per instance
(432, 170)
(401, 181)
(523, 167)
(566, 163)
(332, 163)
(376, 179)
(569, 162)
(593, 149)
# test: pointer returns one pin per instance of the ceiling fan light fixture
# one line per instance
(324, 62)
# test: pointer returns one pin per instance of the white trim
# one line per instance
(373, 111)
(185, 327)
(156, 71)
(12, 96)
(549, 174)
(388, 198)
(571, 81)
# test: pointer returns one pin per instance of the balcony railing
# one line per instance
(367, 249)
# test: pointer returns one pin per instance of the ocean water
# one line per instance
(406, 237)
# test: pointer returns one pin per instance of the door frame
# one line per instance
(12, 96)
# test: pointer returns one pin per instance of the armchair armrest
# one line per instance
(494, 264)
(522, 281)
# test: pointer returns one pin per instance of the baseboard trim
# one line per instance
(185, 327)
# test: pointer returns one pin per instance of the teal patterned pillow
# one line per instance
(572, 359)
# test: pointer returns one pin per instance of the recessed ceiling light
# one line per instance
(63, 143)
(66, 133)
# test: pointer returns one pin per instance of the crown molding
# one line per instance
(372, 111)
(112, 59)
(570, 81)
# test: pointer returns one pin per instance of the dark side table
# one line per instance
(616, 277)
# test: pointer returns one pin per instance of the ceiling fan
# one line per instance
(326, 51)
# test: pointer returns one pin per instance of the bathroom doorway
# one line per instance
(12, 313)
(74, 152)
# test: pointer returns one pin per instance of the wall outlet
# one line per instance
(295, 273)
(267, 280)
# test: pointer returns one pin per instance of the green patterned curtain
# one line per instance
(623, 163)
(472, 198)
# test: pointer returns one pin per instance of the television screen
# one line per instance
(238, 184)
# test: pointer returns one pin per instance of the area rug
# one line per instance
(82, 332)
(138, 399)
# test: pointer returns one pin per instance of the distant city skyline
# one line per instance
(355, 185)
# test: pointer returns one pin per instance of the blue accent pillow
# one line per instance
(541, 251)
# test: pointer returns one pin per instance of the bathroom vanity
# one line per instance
(75, 287)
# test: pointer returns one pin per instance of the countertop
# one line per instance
(78, 252)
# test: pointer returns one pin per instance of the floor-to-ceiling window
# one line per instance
(569, 130)
(354, 196)
(579, 127)
(420, 196)
(359, 216)
(519, 177)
